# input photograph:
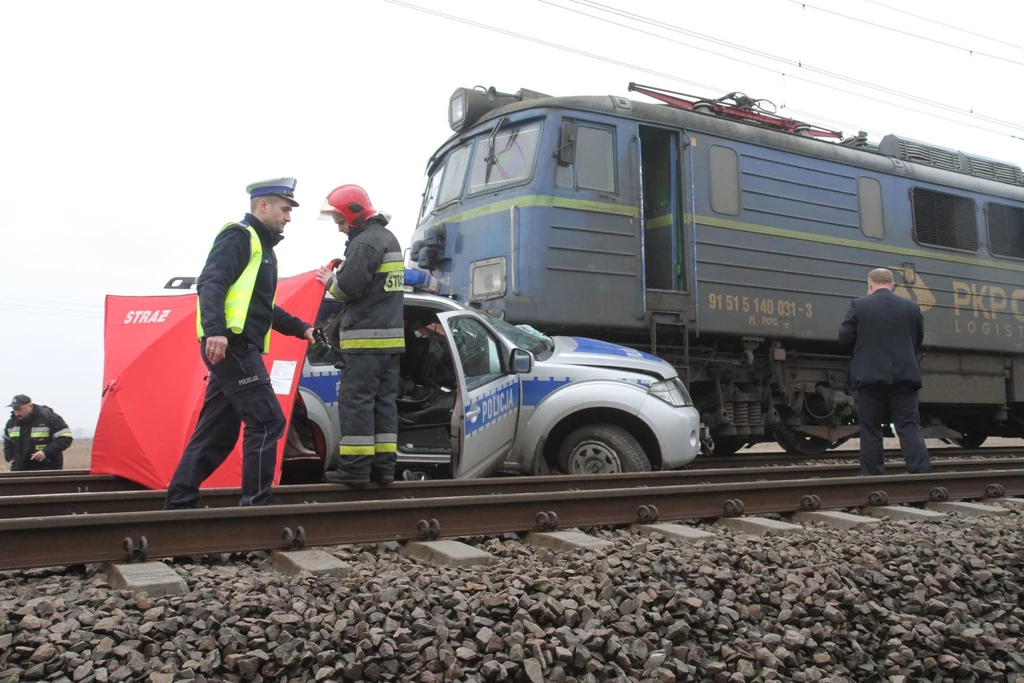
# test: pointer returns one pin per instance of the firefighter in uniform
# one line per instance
(235, 312)
(35, 437)
(371, 284)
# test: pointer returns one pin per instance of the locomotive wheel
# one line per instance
(602, 449)
(795, 442)
(970, 440)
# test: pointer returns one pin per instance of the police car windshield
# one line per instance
(541, 347)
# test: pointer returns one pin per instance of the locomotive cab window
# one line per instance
(1005, 230)
(454, 175)
(594, 165)
(430, 194)
(944, 220)
(504, 157)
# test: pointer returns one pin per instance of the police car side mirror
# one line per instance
(520, 361)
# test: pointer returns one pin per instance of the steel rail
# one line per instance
(43, 473)
(70, 483)
(759, 458)
(12, 507)
(77, 539)
(79, 481)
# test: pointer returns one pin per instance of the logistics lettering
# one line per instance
(146, 316)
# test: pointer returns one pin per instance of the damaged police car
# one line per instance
(480, 396)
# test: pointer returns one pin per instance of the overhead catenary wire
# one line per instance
(950, 26)
(910, 34)
(592, 4)
(556, 46)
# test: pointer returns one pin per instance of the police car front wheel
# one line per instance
(602, 449)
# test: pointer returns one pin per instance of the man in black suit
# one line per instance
(886, 332)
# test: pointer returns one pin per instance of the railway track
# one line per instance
(58, 540)
(758, 459)
(110, 502)
(80, 481)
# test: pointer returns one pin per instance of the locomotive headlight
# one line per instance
(672, 392)
(487, 279)
(457, 110)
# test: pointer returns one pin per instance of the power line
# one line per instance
(555, 46)
(908, 33)
(955, 28)
(545, 43)
(799, 64)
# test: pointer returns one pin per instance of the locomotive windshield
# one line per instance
(503, 157)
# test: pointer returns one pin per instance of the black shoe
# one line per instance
(182, 506)
(382, 478)
(348, 478)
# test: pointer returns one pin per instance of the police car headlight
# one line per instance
(672, 392)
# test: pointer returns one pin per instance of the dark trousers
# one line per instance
(878, 405)
(368, 414)
(238, 390)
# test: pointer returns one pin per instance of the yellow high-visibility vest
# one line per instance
(239, 296)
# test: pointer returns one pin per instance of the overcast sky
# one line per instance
(129, 130)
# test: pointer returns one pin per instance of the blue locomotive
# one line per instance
(730, 241)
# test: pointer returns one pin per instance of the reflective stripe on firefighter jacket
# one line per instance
(239, 296)
(43, 430)
(371, 284)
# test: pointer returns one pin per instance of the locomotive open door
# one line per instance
(668, 299)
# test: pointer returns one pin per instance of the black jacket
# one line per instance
(371, 283)
(885, 331)
(42, 430)
(224, 265)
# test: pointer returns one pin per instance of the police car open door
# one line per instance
(487, 413)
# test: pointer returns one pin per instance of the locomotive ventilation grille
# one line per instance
(950, 160)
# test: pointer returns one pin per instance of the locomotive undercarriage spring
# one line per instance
(746, 416)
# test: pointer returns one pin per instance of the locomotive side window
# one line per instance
(1005, 230)
(595, 162)
(504, 158)
(944, 220)
(454, 175)
(869, 198)
(725, 180)
(430, 194)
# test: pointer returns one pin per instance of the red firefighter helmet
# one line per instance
(351, 201)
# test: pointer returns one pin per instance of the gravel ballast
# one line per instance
(899, 602)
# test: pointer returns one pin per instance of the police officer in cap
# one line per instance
(371, 284)
(234, 316)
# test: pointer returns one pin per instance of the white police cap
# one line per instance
(280, 187)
